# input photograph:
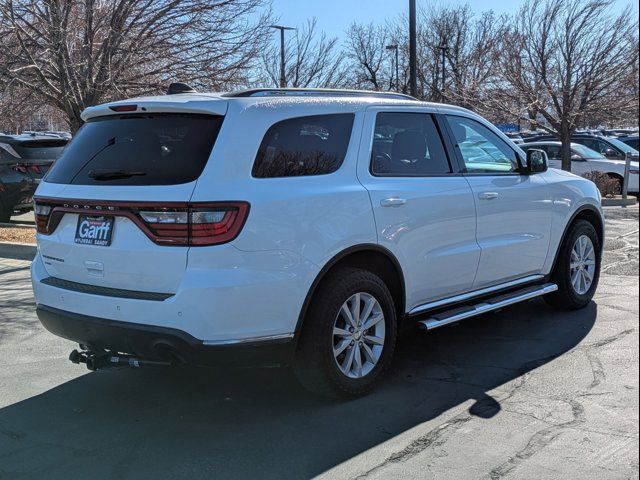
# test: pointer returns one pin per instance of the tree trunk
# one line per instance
(74, 121)
(565, 150)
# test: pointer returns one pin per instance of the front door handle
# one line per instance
(488, 195)
(392, 202)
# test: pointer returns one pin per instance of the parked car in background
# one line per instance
(610, 147)
(631, 140)
(24, 159)
(585, 160)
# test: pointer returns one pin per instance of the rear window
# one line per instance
(314, 145)
(149, 149)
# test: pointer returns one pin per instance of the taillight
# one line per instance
(197, 224)
(42, 217)
(215, 224)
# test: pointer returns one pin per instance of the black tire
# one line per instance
(619, 183)
(5, 214)
(566, 297)
(314, 363)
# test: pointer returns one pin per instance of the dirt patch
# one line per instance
(21, 235)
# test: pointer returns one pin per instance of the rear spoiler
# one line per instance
(186, 103)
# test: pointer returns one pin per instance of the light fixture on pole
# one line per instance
(283, 78)
(395, 47)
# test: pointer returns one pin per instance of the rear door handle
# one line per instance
(488, 195)
(392, 202)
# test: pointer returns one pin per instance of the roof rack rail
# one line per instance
(315, 92)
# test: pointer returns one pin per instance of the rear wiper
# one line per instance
(113, 174)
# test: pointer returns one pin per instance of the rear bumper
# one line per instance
(161, 343)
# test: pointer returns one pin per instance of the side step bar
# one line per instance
(468, 311)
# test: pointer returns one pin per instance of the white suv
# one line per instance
(298, 227)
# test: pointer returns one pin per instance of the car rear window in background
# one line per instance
(148, 149)
(314, 145)
(40, 149)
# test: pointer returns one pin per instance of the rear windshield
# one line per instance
(148, 149)
(40, 149)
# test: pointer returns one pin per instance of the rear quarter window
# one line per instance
(138, 149)
(302, 146)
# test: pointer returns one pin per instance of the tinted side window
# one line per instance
(407, 144)
(553, 151)
(482, 150)
(314, 145)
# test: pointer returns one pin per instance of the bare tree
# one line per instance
(312, 60)
(76, 53)
(565, 60)
(370, 65)
(21, 110)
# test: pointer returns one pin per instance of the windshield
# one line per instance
(621, 145)
(586, 152)
(147, 149)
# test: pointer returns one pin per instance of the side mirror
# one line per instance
(576, 158)
(537, 161)
(610, 152)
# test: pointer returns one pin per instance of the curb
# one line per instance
(619, 202)
(17, 225)
(17, 251)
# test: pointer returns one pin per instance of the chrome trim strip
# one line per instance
(470, 295)
(236, 341)
(481, 308)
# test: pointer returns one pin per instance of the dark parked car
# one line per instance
(609, 147)
(631, 140)
(24, 159)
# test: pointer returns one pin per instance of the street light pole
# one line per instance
(413, 69)
(443, 48)
(283, 77)
(395, 47)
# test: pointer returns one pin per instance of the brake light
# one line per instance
(124, 108)
(196, 224)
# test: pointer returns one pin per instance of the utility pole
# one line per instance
(283, 77)
(443, 49)
(413, 69)
(395, 47)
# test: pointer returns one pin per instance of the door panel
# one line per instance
(428, 222)
(513, 226)
(514, 211)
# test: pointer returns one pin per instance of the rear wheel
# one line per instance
(349, 335)
(5, 214)
(577, 269)
(617, 186)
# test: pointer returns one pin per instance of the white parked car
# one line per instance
(299, 227)
(584, 160)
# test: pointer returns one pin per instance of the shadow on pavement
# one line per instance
(194, 423)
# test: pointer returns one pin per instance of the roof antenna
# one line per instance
(179, 87)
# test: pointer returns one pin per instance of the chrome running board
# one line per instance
(501, 301)
(476, 293)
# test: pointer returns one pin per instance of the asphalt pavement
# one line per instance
(528, 392)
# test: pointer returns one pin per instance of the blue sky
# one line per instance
(334, 16)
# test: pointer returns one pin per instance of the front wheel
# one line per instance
(349, 335)
(577, 269)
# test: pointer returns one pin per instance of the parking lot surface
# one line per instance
(528, 392)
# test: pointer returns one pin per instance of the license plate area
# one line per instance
(94, 230)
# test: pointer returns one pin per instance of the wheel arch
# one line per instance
(589, 213)
(371, 257)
